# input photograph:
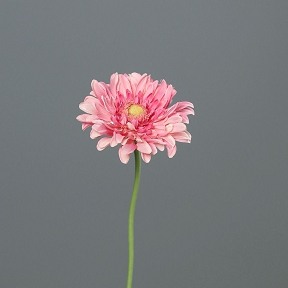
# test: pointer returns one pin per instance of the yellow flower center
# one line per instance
(136, 111)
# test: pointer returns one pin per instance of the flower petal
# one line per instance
(171, 151)
(129, 147)
(170, 140)
(103, 143)
(160, 146)
(116, 139)
(113, 84)
(125, 151)
(144, 147)
(124, 158)
(89, 105)
(184, 136)
(85, 126)
(153, 147)
(146, 157)
(177, 127)
(87, 118)
(98, 89)
(94, 134)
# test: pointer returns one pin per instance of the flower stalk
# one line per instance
(131, 218)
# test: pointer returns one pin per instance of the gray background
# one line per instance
(213, 216)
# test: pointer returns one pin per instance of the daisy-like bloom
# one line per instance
(133, 111)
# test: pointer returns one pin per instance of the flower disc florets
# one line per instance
(133, 111)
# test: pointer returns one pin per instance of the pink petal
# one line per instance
(129, 147)
(124, 158)
(160, 147)
(102, 113)
(142, 84)
(102, 128)
(169, 128)
(124, 85)
(130, 126)
(160, 90)
(116, 139)
(144, 147)
(113, 84)
(136, 76)
(134, 80)
(119, 138)
(85, 126)
(185, 104)
(103, 143)
(173, 119)
(184, 136)
(146, 157)
(94, 134)
(170, 140)
(169, 93)
(177, 127)
(153, 147)
(83, 118)
(89, 105)
(125, 151)
(149, 90)
(171, 151)
(98, 89)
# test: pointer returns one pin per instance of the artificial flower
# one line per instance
(133, 111)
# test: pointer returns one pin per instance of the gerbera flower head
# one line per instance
(133, 111)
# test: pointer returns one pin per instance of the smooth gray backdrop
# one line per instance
(214, 216)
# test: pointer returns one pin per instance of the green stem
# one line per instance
(131, 218)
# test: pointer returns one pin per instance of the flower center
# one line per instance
(136, 111)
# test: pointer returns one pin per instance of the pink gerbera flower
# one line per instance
(133, 111)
